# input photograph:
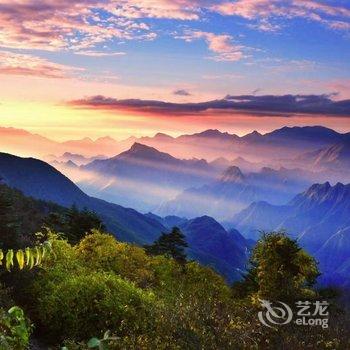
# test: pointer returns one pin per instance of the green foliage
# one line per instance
(171, 244)
(82, 305)
(14, 329)
(101, 344)
(9, 227)
(280, 270)
(153, 302)
(102, 252)
(21, 217)
(75, 223)
(25, 259)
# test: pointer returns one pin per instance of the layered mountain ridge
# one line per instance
(319, 218)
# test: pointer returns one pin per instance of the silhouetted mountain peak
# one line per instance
(139, 147)
(161, 135)
(253, 136)
(267, 170)
(323, 193)
(255, 133)
(317, 190)
(214, 134)
(204, 220)
(232, 174)
(304, 132)
(211, 133)
(143, 152)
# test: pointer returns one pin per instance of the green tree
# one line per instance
(81, 222)
(74, 223)
(280, 270)
(170, 244)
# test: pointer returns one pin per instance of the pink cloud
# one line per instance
(173, 9)
(24, 64)
(221, 44)
(91, 53)
(265, 10)
(55, 25)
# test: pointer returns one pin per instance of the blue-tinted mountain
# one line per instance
(211, 245)
(143, 177)
(169, 221)
(290, 141)
(144, 161)
(38, 179)
(319, 218)
(334, 258)
(312, 216)
(234, 191)
(66, 157)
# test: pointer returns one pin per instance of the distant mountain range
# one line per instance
(147, 179)
(24, 143)
(234, 190)
(319, 218)
(284, 142)
(331, 158)
(247, 183)
(210, 144)
(142, 177)
(77, 159)
(209, 242)
(38, 179)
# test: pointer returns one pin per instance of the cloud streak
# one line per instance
(29, 65)
(264, 11)
(221, 44)
(284, 104)
(91, 53)
(182, 92)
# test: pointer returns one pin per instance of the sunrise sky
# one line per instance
(70, 69)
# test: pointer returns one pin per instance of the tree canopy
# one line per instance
(170, 244)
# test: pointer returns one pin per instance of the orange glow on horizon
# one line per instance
(60, 122)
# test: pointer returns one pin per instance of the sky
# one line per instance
(70, 69)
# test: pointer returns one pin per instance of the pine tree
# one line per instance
(170, 244)
(78, 223)
(280, 270)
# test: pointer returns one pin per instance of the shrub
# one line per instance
(100, 251)
(87, 304)
(14, 329)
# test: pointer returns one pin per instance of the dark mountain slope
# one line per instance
(40, 180)
(210, 244)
